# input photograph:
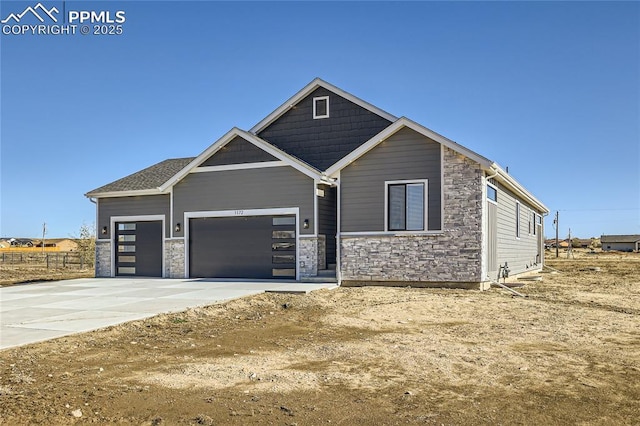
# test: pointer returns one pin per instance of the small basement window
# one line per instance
(321, 107)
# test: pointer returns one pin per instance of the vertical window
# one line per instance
(517, 219)
(492, 193)
(533, 215)
(321, 107)
(406, 206)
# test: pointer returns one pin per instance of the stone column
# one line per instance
(308, 260)
(103, 258)
(174, 258)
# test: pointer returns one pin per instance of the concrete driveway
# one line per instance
(36, 312)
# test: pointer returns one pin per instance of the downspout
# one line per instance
(94, 201)
(493, 175)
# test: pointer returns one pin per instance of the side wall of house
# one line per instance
(520, 252)
(450, 256)
(619, 246)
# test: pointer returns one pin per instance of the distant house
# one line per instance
(21, 242)
(620, 242)
(62, 244)
(587, 242)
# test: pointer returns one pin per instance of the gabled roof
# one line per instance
(144, 182)
(491, 167)
(255, 140)
(317, 82)
(159, 178)
(619, 238)
(391, 130)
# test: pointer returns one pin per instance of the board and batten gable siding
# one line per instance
(406, 155)
(519, 252)
(323, 142)
(238, 151)
(132, 206)
(262, 188)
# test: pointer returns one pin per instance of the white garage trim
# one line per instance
(236, 213)
(141, 218)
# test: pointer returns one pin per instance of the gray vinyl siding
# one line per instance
(323, 142)
(238, 151)
(406, 155)
(131, 206)
(327, 211)
(619, 246)
(274, 187)
(520, 253)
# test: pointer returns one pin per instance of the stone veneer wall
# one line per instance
(452, 256)
(103, 258)
(309, 256)
(174, 258)
(322, 252)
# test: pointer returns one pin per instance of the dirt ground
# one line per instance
(17, 274)
(569, 353)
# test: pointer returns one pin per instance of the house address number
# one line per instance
(239, 212)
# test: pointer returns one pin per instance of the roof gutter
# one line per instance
(512, 184)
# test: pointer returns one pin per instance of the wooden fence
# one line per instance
(50, 260)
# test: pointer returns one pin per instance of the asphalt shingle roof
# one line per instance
(150, 178)
(619, 238)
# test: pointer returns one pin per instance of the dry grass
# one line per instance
(567, 354)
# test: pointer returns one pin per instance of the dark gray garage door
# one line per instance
(261, 247)
(139, 249)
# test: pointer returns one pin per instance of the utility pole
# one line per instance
(44, 231)
(555, 222)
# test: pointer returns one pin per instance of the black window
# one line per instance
(492, 193)
(321, 107)
(517, 220)
(406, 207)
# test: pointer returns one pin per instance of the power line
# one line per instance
(598, 210)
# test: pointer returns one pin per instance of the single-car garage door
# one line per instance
(261, 247)
(139, 249)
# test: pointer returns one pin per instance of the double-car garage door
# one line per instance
(256, 247)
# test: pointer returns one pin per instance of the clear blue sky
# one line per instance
(549, 89)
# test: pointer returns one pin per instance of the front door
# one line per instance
(139, 249)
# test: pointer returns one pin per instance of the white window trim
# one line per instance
(242, 212)
(425, 225)
(496, 189)
(140, 218)
(320, 98)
